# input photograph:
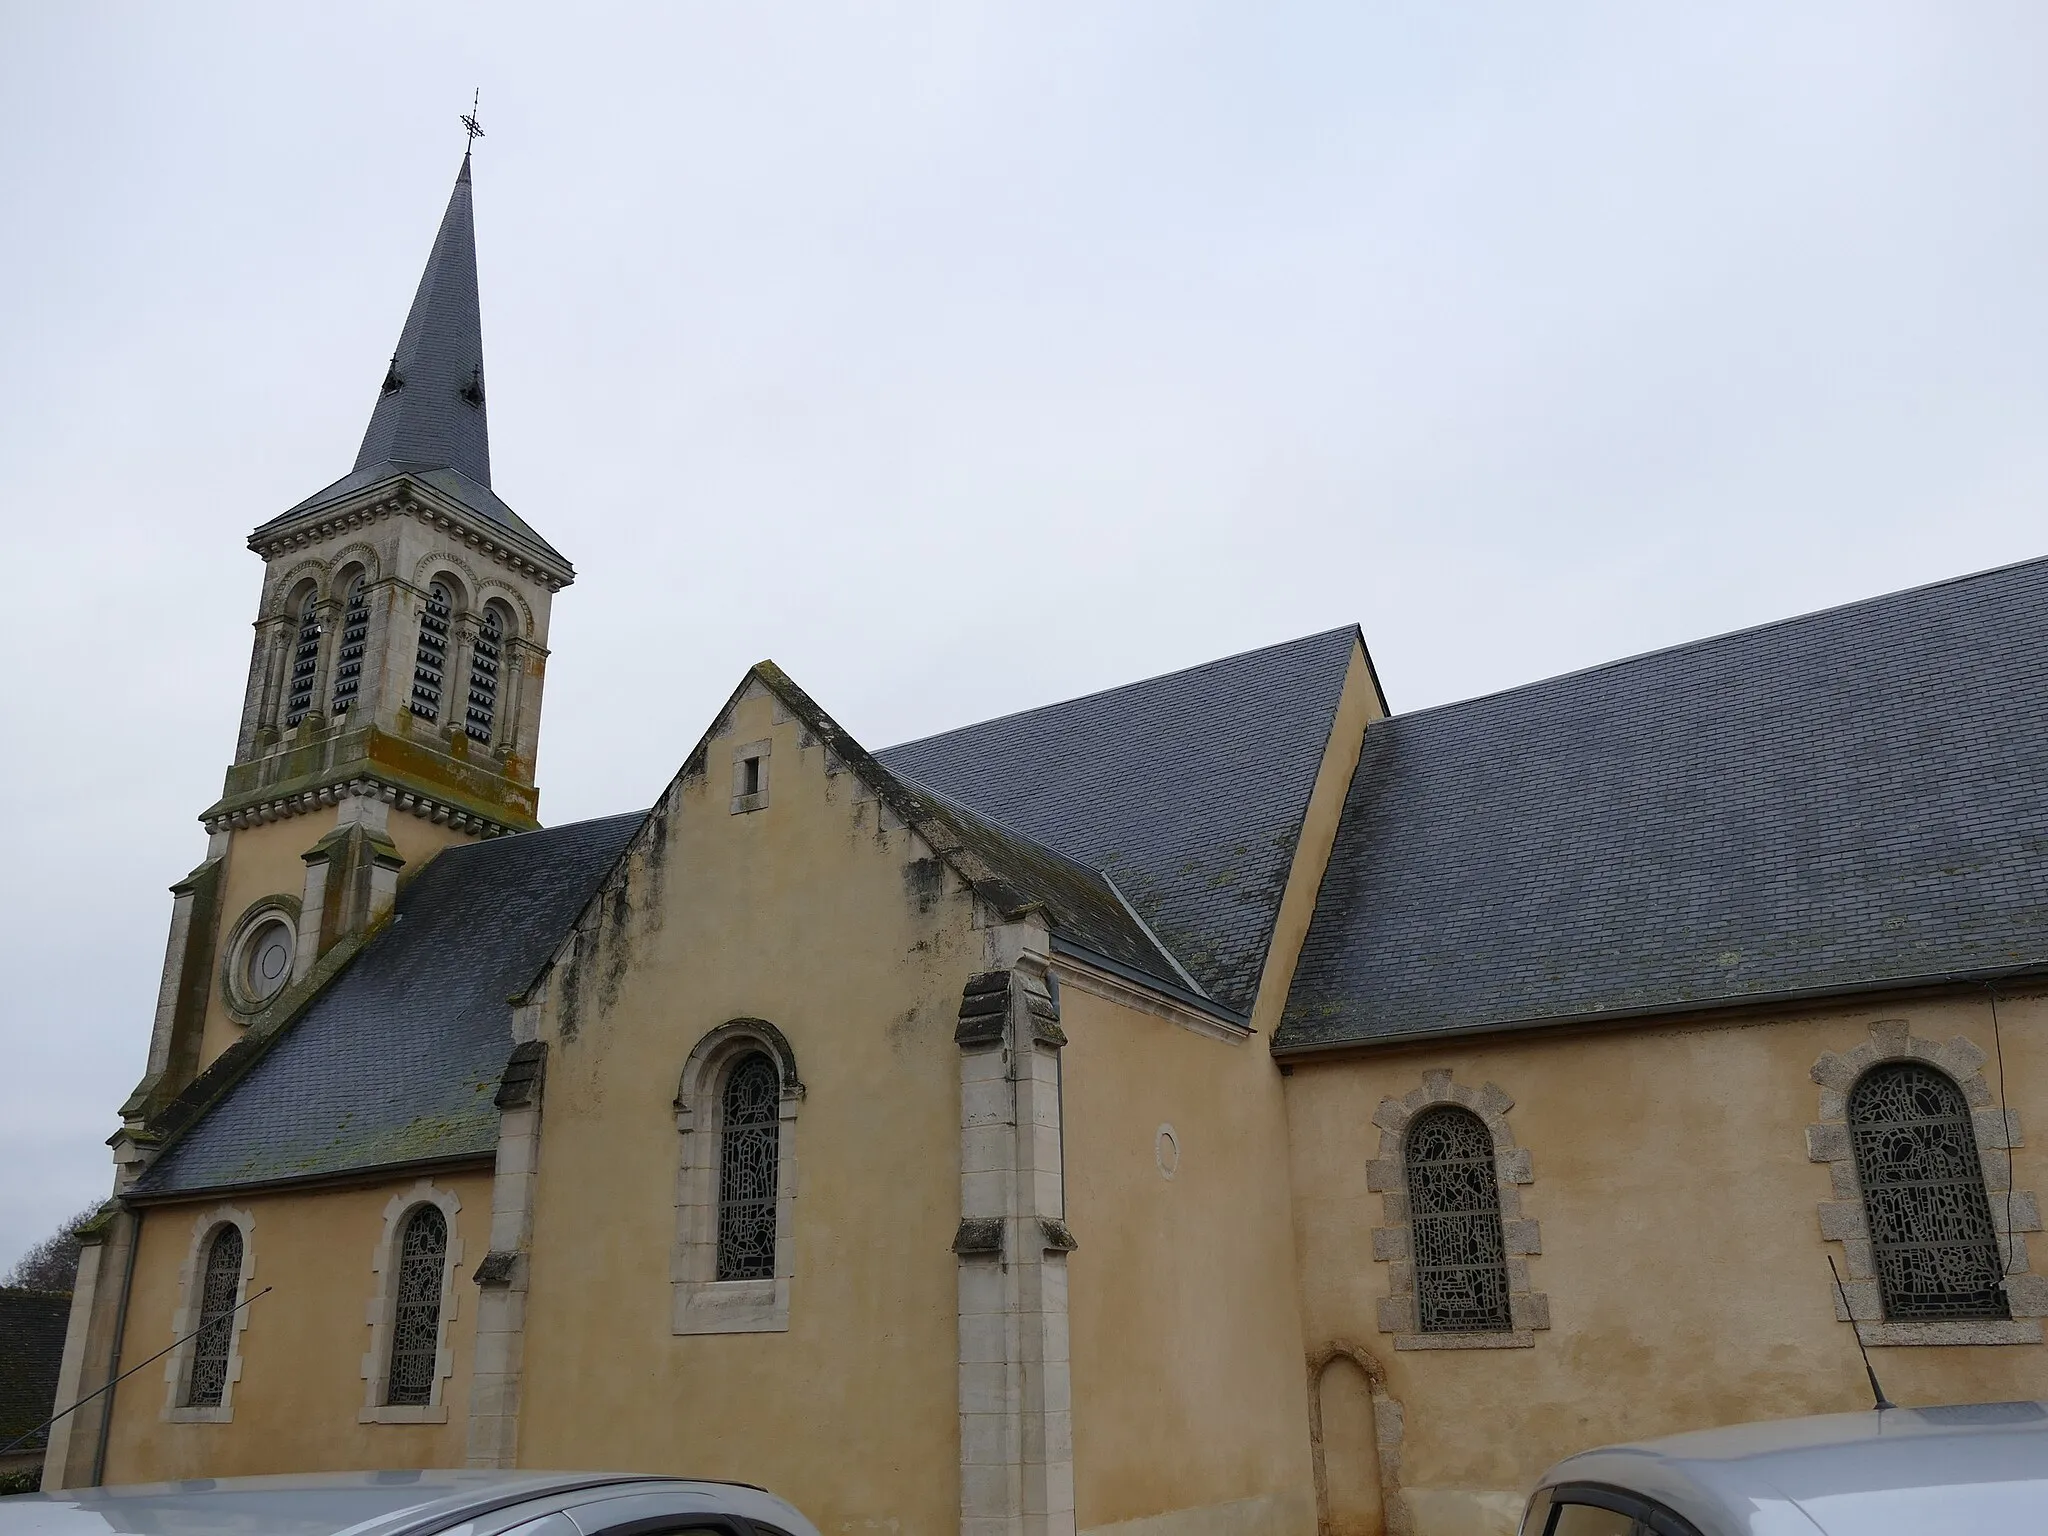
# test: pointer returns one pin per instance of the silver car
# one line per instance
(1979, 1469)
(410, 1504)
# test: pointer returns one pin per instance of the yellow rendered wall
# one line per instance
(1186, 1333)
(301, 1389)
(1186, 1346)
(1682, 1258)
(803, 914)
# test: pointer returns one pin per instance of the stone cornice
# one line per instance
(442, 810)
(404, 496)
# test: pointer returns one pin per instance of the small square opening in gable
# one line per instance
(750, 777)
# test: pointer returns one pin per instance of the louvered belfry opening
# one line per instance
(430, 661)
(416, 1318)
(305, 662)
(218, 1292)
(1460, 1255)
(1931, 1234)
(355, 638)
(748, 1154)
(483, 676)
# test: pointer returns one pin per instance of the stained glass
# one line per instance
(749, 1146)
(416, 1320)
(1461, 1274)
(1923, 1195)
(217, 1297)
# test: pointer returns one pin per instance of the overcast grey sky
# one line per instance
(966, 357)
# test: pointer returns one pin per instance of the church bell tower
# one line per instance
(393, 701)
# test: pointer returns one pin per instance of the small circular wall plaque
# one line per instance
(1166, 1151)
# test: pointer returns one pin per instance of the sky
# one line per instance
(965, 357)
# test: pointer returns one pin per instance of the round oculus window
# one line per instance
(269, 963)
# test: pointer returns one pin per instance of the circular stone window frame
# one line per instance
(235, 954)
(1166, 1151)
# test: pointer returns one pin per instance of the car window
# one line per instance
(1591, 1520)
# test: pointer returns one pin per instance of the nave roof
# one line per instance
(1852, 799)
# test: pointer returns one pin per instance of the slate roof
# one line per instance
(422, 425)
(397, 1060)
(1186, 790)
(32, 1325)
(1849, 799)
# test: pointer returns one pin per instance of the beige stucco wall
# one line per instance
(804, 914)
(1189, 1410)
(301, 1389)
(1681, 1251)
(1187, 1361)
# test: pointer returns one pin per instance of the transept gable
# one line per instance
(1008, 875)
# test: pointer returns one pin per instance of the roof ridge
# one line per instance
(1702, 642)
(1100, 693)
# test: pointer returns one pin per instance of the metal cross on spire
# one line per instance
(470, 124)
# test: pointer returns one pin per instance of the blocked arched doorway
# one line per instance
(1355, 1442)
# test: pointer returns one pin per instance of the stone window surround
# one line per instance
(383, 1306)
(757, 752)
(1842, 1217)
(243, 1009)
(1392, 1244)
(699, 1301)
(191, 1286)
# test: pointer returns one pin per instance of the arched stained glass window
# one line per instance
(355, 636)
(1460, 1256)
(305, 662)
(483, 676)
(416, 1319)
(748, 1153)
(219, 1290)
(1923, 1195)
(430, 661)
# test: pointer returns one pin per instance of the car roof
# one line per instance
(1716, 1477)
(391, 1503)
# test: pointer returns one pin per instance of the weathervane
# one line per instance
(470, 124)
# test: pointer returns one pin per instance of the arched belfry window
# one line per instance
(483, 675)
(747, 1167)
(305, 662)
(355, 637)
(430, 661)
(416, 1317)
(1924, 1199)
(219, 1291)
(1459, 1250)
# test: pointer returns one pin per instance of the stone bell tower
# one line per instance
(393, 702)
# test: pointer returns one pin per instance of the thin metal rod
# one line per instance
(210, 1323)
(1880, 1401)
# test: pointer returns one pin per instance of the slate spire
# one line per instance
(430, 408)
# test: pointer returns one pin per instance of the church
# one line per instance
(1219, 1106)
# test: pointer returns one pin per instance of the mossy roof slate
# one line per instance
(1186, 790)
(1851, 799)
(397, 1060)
